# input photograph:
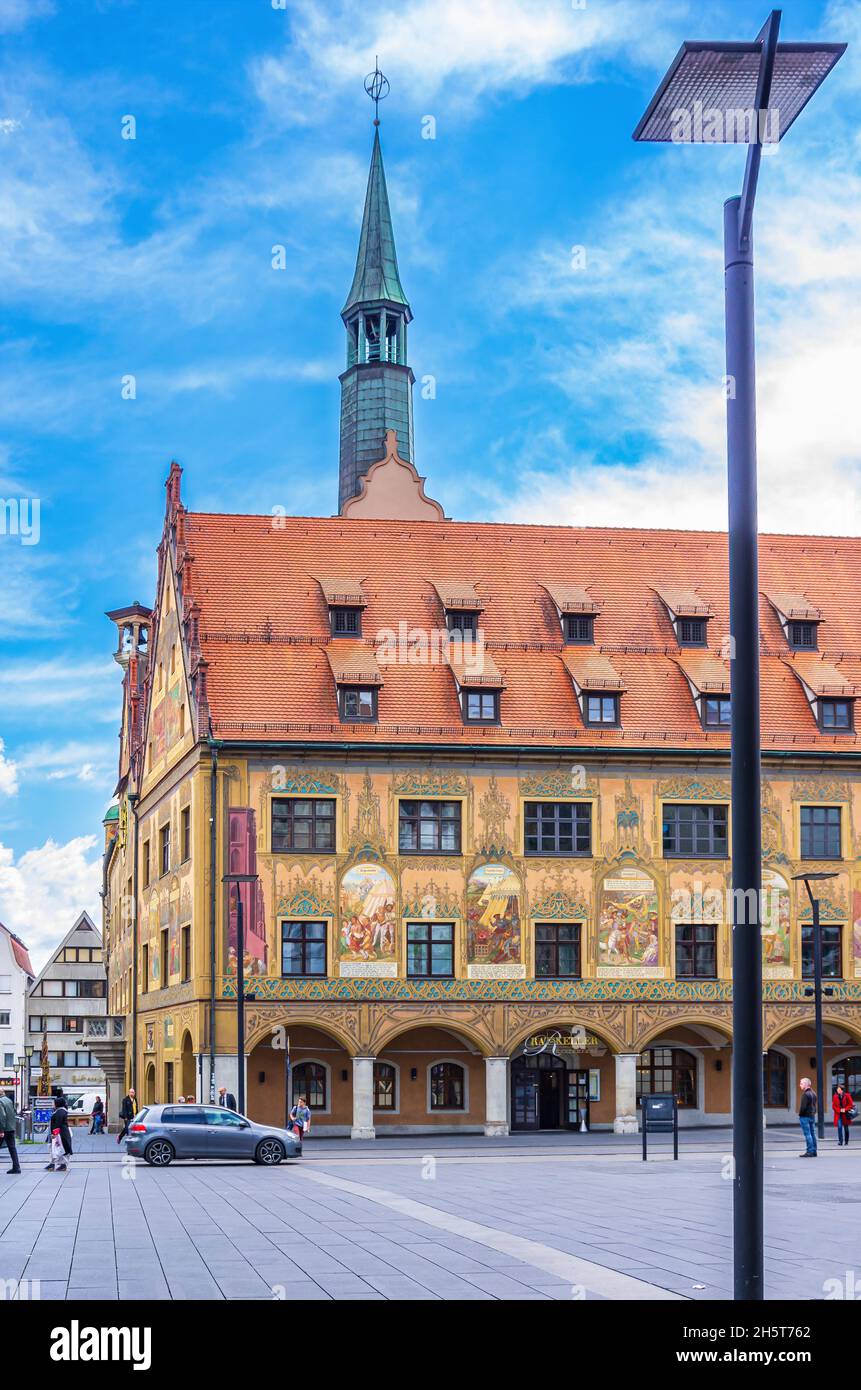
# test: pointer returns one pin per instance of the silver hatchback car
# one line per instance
(161, 1133)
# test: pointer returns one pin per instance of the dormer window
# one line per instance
(480, 706)
(357, 704)
(345, 621)
(692, 632)
(802, 636)
(462, 620)
(836, 716)
(601, 710)
(578, 628)
(716, 711)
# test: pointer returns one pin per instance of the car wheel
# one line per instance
(269, 1152)
(159, 1153)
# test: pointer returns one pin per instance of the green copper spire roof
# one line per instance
(376, 274)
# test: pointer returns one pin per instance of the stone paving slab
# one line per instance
(362, 1222)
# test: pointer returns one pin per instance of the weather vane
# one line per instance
(377, 87)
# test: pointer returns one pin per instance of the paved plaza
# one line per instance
(538, 1217)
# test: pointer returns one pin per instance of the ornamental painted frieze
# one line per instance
(495, 812)
(493, 916)
(558, 785)
(693, 789)
(367, 941)
(421, 784)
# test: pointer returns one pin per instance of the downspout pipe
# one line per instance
(213, 850)
(133, 803)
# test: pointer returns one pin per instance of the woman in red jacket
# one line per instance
(841, 1104)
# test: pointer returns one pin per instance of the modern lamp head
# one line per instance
(709, 94)
(813, 877)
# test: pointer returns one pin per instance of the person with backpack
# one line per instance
(301, 1118)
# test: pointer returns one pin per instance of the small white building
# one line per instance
(16, 977)
(70, 988)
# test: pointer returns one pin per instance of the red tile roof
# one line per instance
(19, 951)
(264, 626)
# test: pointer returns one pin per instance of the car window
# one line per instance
(183, 1115)
(222, 1117)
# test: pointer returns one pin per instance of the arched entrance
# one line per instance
(320, 1069)
(549, 1091)
(149, 1084)
(188, 1080)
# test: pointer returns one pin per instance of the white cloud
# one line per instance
(58, 681)
(43, 892)
(17, 14)
(8, 773)
(448, 52)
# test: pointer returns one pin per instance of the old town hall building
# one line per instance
(471, 781)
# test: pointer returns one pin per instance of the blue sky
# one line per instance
(588, 394)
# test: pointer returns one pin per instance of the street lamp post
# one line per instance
(29, 1054)
(241, 996)
(735, 93)
(807, 879)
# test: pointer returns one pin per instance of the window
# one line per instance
(694, 832)
(5, 1018)
(716, 711)
(186, 953)
(345, 622)
(601, 709)
(385, 1086)
(820, 832)
(36, 1025)
(9, 1060)
(847, 1070)
(186, 833)
(186, 1115)
(146, 863)
(557, 950)
(357, 704)
(430, 950)
(303, 948)
(72, 1025)
(668, 1071)
(836, 716)
(164, 849)
(696, 951)
(691, 632)
(578, 628)
(309, 1080)
(303, 825)
(163, 963)
(775, 1080)
(802, 636)
(480, 706)
(447, 1089)
(461, 621)
(429, 827)
(88, 989)
(52, 988)
(832, 954)
(557, 827)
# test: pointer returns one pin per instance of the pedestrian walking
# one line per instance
(226, 1098)
(8, 1120)
(807, 1117)
(98, 1116)
(301, 1117)
(128, 1110)
(843, 1107)
(61, 1137)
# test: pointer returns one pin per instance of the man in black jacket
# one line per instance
(60, 1124)
(226, 1098)
(128, 1110)
(807, 1117)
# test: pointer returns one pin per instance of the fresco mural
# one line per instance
(493, 934)
(367, 944)
(154, 953)
(628, 936)
(856, 930)
(775, 926)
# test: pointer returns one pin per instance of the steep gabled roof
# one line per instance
(19, 951)
(264, 629)
(82, 920)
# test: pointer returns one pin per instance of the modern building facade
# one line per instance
(16, 977)
(475, 780)
(71, 988)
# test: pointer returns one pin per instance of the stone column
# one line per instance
(363, 1098)
(496, 1097)
(626, 1093)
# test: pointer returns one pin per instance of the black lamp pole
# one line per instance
(807, 879)
(241, 996)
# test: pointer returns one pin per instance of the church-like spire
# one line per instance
(377, 386)
(376, 276)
